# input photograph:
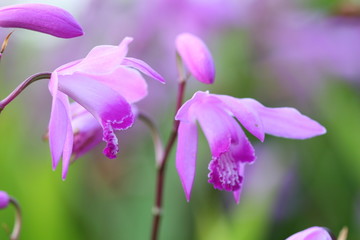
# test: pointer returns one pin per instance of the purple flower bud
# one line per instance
(196, 57)
(42, 18)
(4, 199)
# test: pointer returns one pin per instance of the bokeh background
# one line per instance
(302, 54)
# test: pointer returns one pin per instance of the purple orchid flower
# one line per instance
(105, 83)
(196, 57)
(230, 148)
(4, 199)
(41, 18)
(313, 233)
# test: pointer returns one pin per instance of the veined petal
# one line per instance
(196, 57)
(186, 155)
(285, 122)
(126, 81)
(42, 18)
(313, 233)
(247, 116)
(143, 67)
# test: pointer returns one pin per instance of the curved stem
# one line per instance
(21, 87)
(160, 174)
(158, 145)
(17, 226)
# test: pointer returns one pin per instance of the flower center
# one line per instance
(111, 140)
(224, 172)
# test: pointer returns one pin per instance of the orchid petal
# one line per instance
(186, 155)
(143, 67)
(217, 133)
(131, 85)
(42, 18)
(90, 94)
(247, 116)
(196, 57)
(237, 193)
(285, 122)
(313, 233)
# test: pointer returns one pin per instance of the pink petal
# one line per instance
(111, 110)
(218, 134)
(126, 81)
(42, 18)
(143, 67)
(313, 233)
(59, 125)
(186, 155)
(285, 122)
(196, 57)
(247, 116)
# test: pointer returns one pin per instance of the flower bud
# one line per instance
(196, 57)
(41, 18)
(4, 199)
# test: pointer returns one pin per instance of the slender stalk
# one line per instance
(158, 145)
(21, 87)
(160, 174)
(17, 226)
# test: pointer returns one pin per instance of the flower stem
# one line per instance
(160, 173)
(21, 87)
(17, 226)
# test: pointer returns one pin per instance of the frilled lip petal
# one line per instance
(312, 233)
(186, 155)
(143, 67)
(42, 18)
(196, 57)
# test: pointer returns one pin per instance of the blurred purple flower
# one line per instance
(196, 57)
(313, 233)
(4, 199)
(105, 84)
(42, 18)
(230, 148)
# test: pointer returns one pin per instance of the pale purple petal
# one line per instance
(196, 57)
(42, 18)
(285, 122)
(4, 199)
(126, 81)
(186, 155)
(218, 134)
(102, 59)
(247, 116)
(313, 233)
(59, 125)
(113, 112)
(237, 193)
(143, 67)
(87, 130)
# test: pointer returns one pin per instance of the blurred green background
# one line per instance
(293, 184)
